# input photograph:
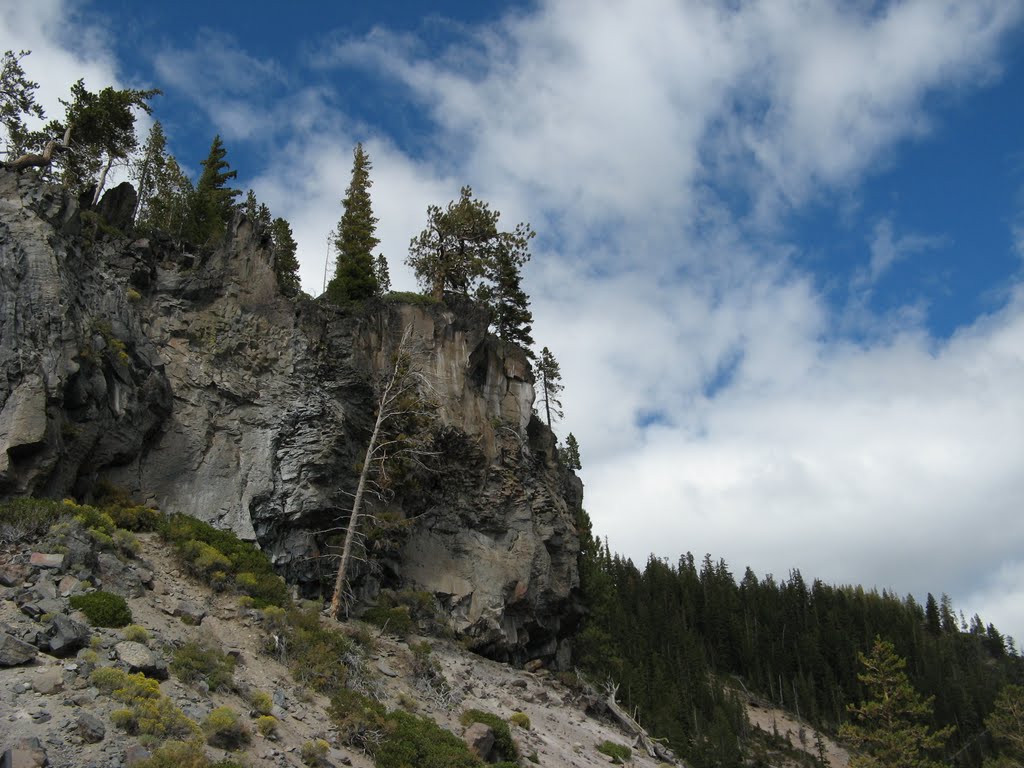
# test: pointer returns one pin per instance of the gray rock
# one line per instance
(117, 206)
(14, 652)
(49, 681)
(139, 658)
(480, 740)
(91, 728)
(272, 403)
(64, 636)
(135, 755)
(189, 612)
(44, 560)
(27, 753)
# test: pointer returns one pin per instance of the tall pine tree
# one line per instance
(550, 376)
(355, 278)
(891, 728)
(213, 202)
(286, 266)
(503, 293)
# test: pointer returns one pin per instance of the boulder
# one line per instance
(48, 681)
(480, 740)
(14, 651)
(139, 658)
(64, 636)
(91, 728)
(27, 753)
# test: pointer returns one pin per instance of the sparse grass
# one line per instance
(619, 753)
(136, 634)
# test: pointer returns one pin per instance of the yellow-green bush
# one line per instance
(357, 717)
(147, 711)
(223, 728)
(261, 702)
(520, 720)
(267, 726)
(314, 753)
(136, 634)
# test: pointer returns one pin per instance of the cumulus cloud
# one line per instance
(721, 401)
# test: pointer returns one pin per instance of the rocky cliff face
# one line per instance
(189, 380)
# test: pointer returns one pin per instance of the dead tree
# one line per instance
(405, 393)
(41, 160)
(652, 747)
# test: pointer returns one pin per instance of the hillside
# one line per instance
(53, 696)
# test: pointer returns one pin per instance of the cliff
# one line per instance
(187, 379)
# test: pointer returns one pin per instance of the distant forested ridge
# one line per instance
(686, 642)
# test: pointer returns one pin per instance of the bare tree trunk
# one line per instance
(653, 748)
(353, 520)
(404, 380)
(102, 181)
(32, 160)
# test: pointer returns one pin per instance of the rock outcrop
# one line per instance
(189, 380)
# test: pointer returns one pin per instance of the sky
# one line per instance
(779, 252)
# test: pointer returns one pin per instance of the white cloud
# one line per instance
(657, 148)
(64, 46)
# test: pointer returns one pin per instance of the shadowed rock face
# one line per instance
(189, 380)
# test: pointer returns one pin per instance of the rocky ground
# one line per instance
(50, 712)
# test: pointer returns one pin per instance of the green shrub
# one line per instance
(266, 725)
(314, 752)
(619, 753)
(136, 634)
(503, 741)
(195, 661)
(261, 702)
(224, 729)
(520, 720)
(177, 754)
(210, 552)
(30, 518)
(408, 297)
(108, 679)
(126, 542)
(395, 621)
(411, 740)
(357, 717)
(103, 609)
(314, 653)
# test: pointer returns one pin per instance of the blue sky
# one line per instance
(779, 242)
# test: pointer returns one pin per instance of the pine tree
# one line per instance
(550, 385)
(1006, 724)
(286, 266)
(169, 209)
(571, 453)
(213, 202)
(148, 169)
(383, 275)
(101, 130)
(509, 304)
(17, 101)
(890, 728)
(354, 275)
(451, 253)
